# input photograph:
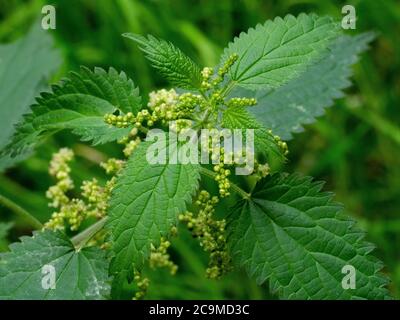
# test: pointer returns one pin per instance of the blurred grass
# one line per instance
(355, 147)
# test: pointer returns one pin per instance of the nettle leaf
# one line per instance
(79, 104)
(264, 143)
(293, 235)
(79, 275)
(25, 65)
(145, 204)
(238, 117)
(277, 51)
(303, 99)
(170, 61)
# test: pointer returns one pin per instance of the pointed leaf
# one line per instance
(79, 275)
(170, 61)
(301, 100)
(79, 104)
(145, 204)
(277, 51)
(293, 235)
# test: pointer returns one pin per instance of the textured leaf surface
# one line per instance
(170, 61)
(293, 235)
(277, 51)
(303, 99)
(79, 104)
(239, 117)
(25, 66)
(80, 274)
(264, 142)
(145, 204)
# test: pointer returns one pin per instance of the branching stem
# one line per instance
(82, 238)
(236, 188)
(35, 223)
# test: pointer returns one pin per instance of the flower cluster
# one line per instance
(168, 105)
(130, 145)
(142, 284)
(159, 258)
(281, 144)
(68, 210)
(112, 165)
(261, 170)
(210, 232)
(226, 162)
(97, 197)
(180, 125)
(210, 82)
(241, 102)
(206, 74)
(222, 177)
(60, 169)
(74, 211)
(223, 70)
(164, 105)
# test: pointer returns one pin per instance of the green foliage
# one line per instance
(79, 274)
(284, 230)
(303, 99)
(4, 230)
(293, 235)
(145, 205)
(277, 51)
(266, 146)
(24, 65)
(239, 117)
(79, 104)
(170, 61)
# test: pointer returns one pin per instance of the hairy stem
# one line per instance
(82, 238)
(35, 223)
(235, 188)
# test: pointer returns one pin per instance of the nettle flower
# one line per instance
(279, 227)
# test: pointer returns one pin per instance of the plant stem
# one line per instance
(234, 187)
(82, 238)
(35, 223)
(228, 88)
(386, 127)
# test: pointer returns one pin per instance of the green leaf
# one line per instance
(170, 61)
(79, 104)
(145, 204)
(25, 66)
(239, 117)
(79, 274)
(295, 236)
(300, 101)
(265, 145)
(277, 51)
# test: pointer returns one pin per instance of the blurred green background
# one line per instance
(355, 147)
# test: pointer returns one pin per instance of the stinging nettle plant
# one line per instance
(282, 229)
